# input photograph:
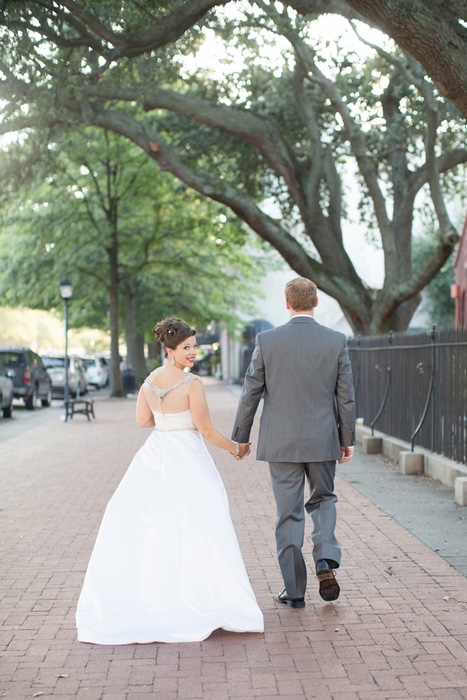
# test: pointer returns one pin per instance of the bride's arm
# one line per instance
(144, 415)
(200, 412)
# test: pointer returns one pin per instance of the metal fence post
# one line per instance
(359, 371)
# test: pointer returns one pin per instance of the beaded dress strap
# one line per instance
(160, 393)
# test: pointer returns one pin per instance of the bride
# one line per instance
(166, 566)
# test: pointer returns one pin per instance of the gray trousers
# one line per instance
(288, 482)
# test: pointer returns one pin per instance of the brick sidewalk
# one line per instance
(399, 629)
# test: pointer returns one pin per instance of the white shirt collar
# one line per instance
(295, 316)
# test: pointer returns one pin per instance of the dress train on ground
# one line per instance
(166, 565)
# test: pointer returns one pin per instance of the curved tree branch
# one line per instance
(322, 7)
(167, 29)
(411, 72)
(262, 134)
(90, 20)
(335, 192)
(448, 233)
(457, 8)
(445, 162)
(399, 64)
(389, 301)
(19, 123)
(267, 228)
(355, 136)
(306, 112)
(413, 24)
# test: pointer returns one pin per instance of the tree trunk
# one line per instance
(139, 359)
(134, 339)
(129, 325)
(397, 321)
(154, 351)
(116, 386)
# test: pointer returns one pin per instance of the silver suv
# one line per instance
(30, 380)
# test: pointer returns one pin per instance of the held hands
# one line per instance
(243, 450)
(346, 454)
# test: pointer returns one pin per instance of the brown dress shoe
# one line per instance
(328, 587)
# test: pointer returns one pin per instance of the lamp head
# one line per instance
(66, 289)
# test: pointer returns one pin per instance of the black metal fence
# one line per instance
(414, 387)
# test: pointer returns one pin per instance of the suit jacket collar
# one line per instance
(302, 319)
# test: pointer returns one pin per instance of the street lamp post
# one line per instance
(66, 292)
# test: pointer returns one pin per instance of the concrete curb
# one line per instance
(422, 461)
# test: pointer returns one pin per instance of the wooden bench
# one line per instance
(84, 406)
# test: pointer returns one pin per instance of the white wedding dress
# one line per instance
(166, 566)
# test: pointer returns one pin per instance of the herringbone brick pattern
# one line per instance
(399, 629)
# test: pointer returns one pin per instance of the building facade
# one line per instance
(459, 289)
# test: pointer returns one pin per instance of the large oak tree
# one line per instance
(284, 136)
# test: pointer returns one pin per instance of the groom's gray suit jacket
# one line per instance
(303, 368)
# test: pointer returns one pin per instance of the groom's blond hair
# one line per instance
(301, 293)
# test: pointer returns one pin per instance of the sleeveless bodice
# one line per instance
(181, 420)
(160, 392)
(174, 421)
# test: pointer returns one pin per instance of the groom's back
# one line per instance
(301, 369)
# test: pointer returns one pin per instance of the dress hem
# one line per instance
(197, 638)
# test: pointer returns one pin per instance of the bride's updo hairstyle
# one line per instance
(172, 331)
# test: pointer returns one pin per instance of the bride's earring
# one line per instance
(172, 360)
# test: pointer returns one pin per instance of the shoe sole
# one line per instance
(328, 587)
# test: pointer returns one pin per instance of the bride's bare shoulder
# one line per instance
(153, 375)
(195, 388)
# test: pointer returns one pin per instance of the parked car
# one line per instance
(30, 379)
(96, 371)
(6, 392)
(107, 369)
(77, 378)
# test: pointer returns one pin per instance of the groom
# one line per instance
(307, 424)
